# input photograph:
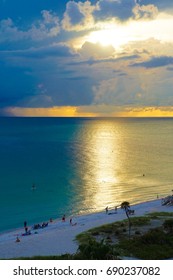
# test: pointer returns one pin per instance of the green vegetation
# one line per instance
(93, 250)
(141, 221)
(62, 257)
(145, 242)
(157, 215)
(168, 225)
(153, 245)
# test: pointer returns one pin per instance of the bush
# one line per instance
(153, 245)
(168, 225)
(155, 236)
(95, 250)
(137, 232)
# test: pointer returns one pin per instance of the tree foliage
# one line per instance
(126, 206)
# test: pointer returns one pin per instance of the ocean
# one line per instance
(80, 165)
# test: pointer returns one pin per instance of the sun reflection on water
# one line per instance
(105, 155)
(101, 166)
(110, 159)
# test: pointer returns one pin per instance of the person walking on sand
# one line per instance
(106, 210)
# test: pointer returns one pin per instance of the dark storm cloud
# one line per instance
(74, 91)
(15, 84)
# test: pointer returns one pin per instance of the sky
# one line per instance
(86, 58)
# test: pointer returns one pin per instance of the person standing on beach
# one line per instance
(25, 226)
(63, 218)
(17, 239)
(106, 210)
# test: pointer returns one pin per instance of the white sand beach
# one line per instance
(59, 237)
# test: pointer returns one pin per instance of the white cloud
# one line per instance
(10, 32)
(48, 26)
(45, 28)
(97, 50)
(145, 12)
(106, 9)
(149, 47)
(78, 16)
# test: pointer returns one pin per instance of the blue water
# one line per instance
(80, 165)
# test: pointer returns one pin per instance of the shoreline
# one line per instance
(59, 237)
(77, 214)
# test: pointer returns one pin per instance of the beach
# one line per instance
(59, 237)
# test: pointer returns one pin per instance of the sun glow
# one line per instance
(118, 34)
(111, 35)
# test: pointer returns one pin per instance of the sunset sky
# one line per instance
(86, 58)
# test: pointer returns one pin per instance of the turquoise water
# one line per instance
(80, 165)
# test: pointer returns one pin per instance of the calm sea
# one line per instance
(80, 165)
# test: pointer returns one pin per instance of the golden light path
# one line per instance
(102, 164)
